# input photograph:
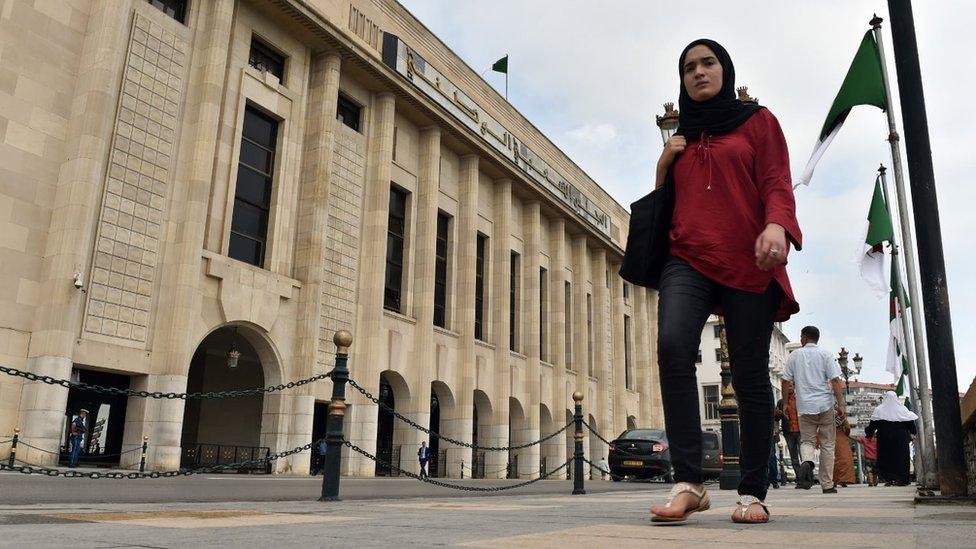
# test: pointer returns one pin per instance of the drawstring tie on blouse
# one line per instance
(705, 156)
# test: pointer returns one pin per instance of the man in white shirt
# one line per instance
(812, 374)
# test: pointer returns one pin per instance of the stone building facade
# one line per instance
(183, 181)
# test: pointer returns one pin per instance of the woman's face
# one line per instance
(702, 73)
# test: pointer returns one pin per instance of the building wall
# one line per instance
(120, 134)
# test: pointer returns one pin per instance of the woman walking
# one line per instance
(734, 220)
(895, 427)
(843, 456)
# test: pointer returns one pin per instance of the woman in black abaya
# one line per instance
(894, 426)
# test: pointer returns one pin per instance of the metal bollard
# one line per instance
(462, 469)
(337, 411)
(728, 410)
(578, 451)
(13, 447)
(142, 461)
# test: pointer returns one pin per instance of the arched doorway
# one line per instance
(480, 432)
(631, 422)
(390, 432)
(597, 450)
(442, 421)
(516, 430)
(550, 448)
(228, 430)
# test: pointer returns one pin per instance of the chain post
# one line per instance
(13, 447)
(462, 469)
(337, 412)
(578, 451)
(142, 460)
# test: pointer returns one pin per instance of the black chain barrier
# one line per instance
(608, 472)
(24, 444)
(68, 384)
(52, 472)
(428, 480)
(439, 436)
(6, 441)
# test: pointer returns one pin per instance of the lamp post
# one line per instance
(728, 407)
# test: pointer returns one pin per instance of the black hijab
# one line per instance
(720, 114)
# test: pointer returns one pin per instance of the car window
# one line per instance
(709, 441)
(643, 434)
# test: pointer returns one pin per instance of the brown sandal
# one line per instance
(739, 515)
(704, 503)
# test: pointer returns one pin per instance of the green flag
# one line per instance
(501, 65)
(863, 85)
(878, 231)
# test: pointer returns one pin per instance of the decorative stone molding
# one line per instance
(247, 293)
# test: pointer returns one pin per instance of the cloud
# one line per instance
(599, 135)
(576, 66)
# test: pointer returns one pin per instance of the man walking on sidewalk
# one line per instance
(813, 375)
(423, 455)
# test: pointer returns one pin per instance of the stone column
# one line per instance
(425, 246)
(643, 360)
(186, 228)
(580, 344)
(602, 408)
(366, 353)
(619, 394)
(313, 216)
(500, 285)
(466, 235)
(79, 188)
(532, 327)
(557, 320)
(656, 404)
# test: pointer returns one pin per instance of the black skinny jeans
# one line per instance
(686, 299)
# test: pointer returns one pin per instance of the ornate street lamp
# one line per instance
(668, 123)
(233, 355)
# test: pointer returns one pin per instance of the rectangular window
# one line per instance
(698, 360)
(589, 334)
(264, 58)
(440, 270)
(568, 307)
(514, 318)
(252, 193)
(710, 395)
(348, 112)
(173, 8)
(626, 291)
(628, 365)
(718, 355)
(479, 287)
(543, 314)
(395, 234)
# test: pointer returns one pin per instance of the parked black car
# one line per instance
(711, 454)
(642, 454)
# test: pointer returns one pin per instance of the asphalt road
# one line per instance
(21, 489)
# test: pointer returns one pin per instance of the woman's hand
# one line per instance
(771, 247)
(675, 146)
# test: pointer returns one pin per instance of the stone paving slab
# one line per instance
(856, 517)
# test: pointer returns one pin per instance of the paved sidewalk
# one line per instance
(856, 517)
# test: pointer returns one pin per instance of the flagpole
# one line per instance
(930, 479)
(923, 440)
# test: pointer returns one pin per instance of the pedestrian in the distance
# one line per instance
(774, 479)
(733, 223)
(843, 456)
(870, 453)
(813, 375)
(790, 429)
(78, 429)
(895, 426)
(423, 454)
(604, 468)
(322, 448)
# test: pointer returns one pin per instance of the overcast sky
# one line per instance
(592, 75)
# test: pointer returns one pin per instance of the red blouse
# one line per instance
(727, 189)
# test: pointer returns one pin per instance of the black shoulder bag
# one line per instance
(648, 244)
